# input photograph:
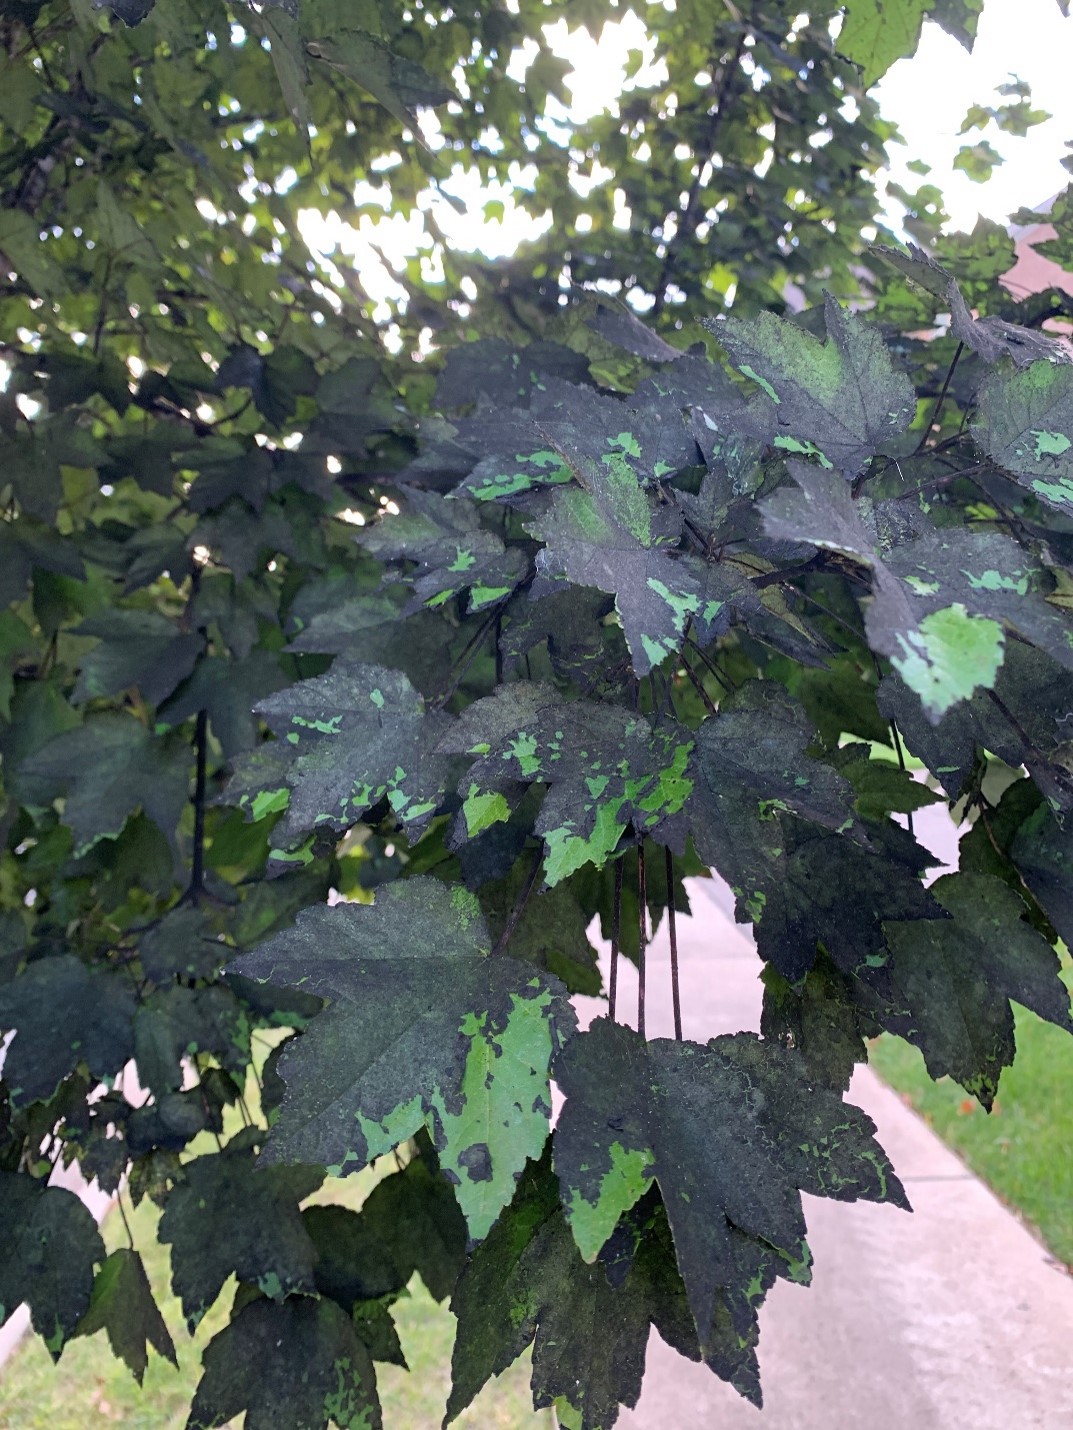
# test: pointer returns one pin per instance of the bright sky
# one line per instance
(926, 96)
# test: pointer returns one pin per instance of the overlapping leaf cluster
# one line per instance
(285, 618)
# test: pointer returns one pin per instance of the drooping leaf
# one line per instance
(820, 1019)
(422, 1028)
(959, 975)
(399, 83)
(615, 770)
(298, 1363)
(414, 1216)
(51, 1245)
(589, 1324)
(841, 398)
(122, 1304)
(258, 1232)
(731, 1131)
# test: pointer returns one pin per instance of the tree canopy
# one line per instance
(360, 645)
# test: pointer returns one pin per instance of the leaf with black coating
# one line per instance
(174, 1022)
(451, 550)
(136, 648)
(422, 1028)
(299, 1364)
(51, 1245)
(841, 399)
(63, 1013)
(732, 1132)
(346, 740)
(612, 534)
(122, 1304)
(226, 1217)
(527, 1283)
(1024, 421)
(1042, 851)
(414, 1215)
(607, 767)
(957, 978)
(820, 1019)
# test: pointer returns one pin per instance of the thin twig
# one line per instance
(672, 929)
(196, 886)
(690, 213)
(123, 1217)
(698, 686)
(940, 399)
(616, 930)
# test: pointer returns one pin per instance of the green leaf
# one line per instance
(1024, 421)
(51, 1245)
(257, 1230)
(400, 84)
(841, 398)
(875, 33)
(958, 976)
(138, 648)
(106, 769)
(731, 1131)
(63, 1014)
(978, 160)
(422, 1028)
(299, 1363)
(614, 769)
(123, 1305)
(21, 246)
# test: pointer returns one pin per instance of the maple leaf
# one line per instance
(589, 1324)
(300, 1362)
(123, 1305)
(1024, 421)
(421, 1029)
(258, 1233)
(841, 399)
(731, 1131)
(347, 739)
(614, 770)
(451, 549)
(51, 1245)
(958, 975)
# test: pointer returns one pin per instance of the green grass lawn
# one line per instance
(89, 1387)
(1024, 1149)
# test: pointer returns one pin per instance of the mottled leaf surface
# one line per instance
(422, 1028)
(1024, 420)
(346, 740)
(840, 398)
(731, 1131)
(297, 1363)
(615, 769)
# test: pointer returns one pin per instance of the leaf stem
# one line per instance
(642, 902)
(672, 929)
(519, 906)
(616, 931)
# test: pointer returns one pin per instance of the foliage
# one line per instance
(491, 639)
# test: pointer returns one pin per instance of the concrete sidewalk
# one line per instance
(952, 1318)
